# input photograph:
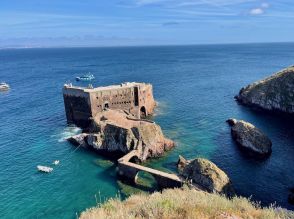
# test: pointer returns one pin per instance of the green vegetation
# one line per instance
(183, 203)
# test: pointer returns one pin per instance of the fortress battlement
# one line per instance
(81, 103)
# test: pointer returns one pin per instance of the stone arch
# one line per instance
(135, 159)
(143, 112)
(146, 181)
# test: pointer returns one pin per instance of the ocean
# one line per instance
(194, 87)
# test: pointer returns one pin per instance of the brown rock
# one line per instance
(116, 131)
(206, 174)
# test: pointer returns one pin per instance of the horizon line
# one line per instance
(139, 45)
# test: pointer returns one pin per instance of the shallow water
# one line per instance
(194, 86)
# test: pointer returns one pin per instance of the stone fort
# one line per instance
(131, 97)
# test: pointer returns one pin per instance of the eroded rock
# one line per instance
(250, 138)
(206, 174)
(274, 93)
(115, 131)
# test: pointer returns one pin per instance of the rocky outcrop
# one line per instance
(274, 93)
(250, 138)
(78, 140)
(116, 131)
(205, 174)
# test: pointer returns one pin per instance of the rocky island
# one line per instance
(114, 131)
(113, 119)
(207, 175)
(274, 93)
(250, 139)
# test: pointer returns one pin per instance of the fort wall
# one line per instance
(83, 103)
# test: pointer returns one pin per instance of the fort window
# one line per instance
(136, 96)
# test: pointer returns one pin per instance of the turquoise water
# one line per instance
(194, 86)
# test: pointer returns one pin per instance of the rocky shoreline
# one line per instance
(114, 131)
(119, 132)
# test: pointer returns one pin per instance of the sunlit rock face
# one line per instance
(275, 93)
(206, 174)
(116, 131)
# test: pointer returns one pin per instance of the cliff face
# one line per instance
(115, 131)
(274, 93)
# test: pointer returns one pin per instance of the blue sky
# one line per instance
(144, 22)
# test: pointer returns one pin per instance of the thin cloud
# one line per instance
(265, 5)
(259, 10)
(256, 11)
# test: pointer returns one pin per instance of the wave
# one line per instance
(68, 132)
(160, 108)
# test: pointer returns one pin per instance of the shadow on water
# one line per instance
(145, 183)
(279, 121)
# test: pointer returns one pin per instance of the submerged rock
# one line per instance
(206, 174)
(250, 138)
(116, 131)
(274, 93)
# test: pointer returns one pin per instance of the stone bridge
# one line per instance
(129, 171)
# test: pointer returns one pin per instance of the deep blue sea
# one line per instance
(194, 86)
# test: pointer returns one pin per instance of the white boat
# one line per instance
(45, 169)
(56, 162)
(87, 77)
(4, 86)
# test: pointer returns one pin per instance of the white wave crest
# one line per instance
(68, 132)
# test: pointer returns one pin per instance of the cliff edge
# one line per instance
(183, 203)
(274, 93)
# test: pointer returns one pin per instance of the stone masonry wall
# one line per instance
(82, 103)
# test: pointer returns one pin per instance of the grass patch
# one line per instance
(184, 203)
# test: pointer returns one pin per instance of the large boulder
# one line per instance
(205, 174)
(115, 131)
(274, 93)
(251, 139)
